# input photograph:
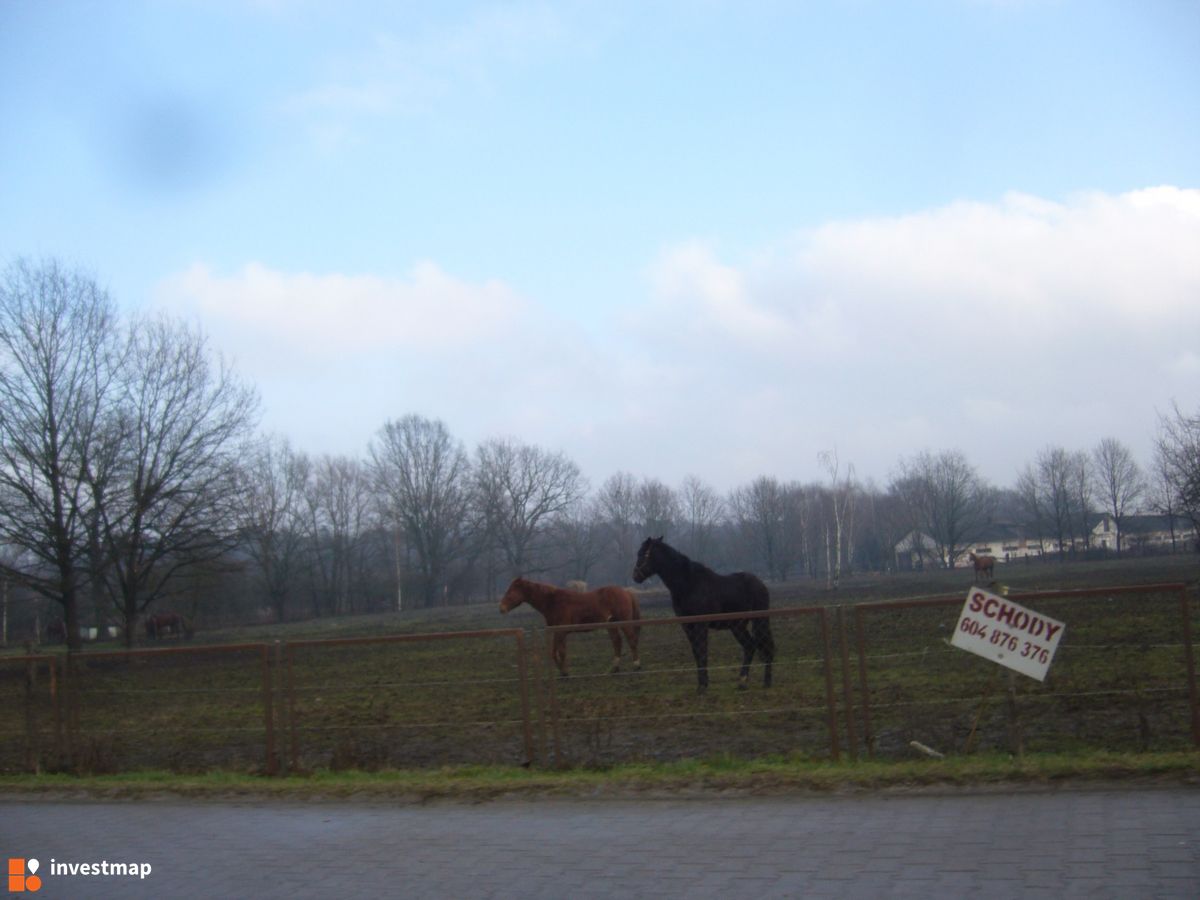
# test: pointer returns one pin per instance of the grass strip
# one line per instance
(716, 776)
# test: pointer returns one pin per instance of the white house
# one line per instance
(1008, 542)
(1144, 532)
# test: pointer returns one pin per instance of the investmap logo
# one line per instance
(22, 875)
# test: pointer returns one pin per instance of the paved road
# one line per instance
(1125, 843)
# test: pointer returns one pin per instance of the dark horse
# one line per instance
(564, 607)
(696, 590)
(984, 565)
(167, 624)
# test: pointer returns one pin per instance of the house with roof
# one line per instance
(1007, 542)
(1145, 532)
(1004, 541)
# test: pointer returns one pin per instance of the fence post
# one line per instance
(70, 698)
(293, 737)
(539, 692)
(1190, 657)
(554, 725)
(860, 637)
(32, 754)
(1016, 738)
(830, 703)
(521, 673)
(847, 687)
(55, 700)
(271, 766)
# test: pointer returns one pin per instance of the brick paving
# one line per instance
(1095, 843)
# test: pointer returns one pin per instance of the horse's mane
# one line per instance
(681, 560)
(541, 590)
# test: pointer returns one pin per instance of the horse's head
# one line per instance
(514, 596)
(644, 567)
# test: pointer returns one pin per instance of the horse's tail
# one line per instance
(635, 616)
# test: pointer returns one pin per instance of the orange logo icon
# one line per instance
(18, 881)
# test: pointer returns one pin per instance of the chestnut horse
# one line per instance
(985, 565)
(563, 607)
(167, 624)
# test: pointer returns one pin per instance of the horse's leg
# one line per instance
(765, 643)
(614, 634)
(742, 635)
(631, 638)
(697, 635)
(558, 652)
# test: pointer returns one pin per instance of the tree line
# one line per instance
(132, 476)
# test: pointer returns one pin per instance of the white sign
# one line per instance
(1007, 633)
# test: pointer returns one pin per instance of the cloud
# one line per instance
(336, 355)
(306, 316)
(407, 71)
(991, 326)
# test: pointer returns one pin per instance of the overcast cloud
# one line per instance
(977, 326)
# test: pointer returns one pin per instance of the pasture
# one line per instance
(852, 678)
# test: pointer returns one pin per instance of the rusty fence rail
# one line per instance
(872, 678)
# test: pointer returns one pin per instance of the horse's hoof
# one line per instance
(742, 686)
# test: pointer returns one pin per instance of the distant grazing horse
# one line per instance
(167, 624)
(696, 590)
(984, 565)
(563, 607)
(56, 632)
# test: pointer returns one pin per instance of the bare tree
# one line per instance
(1048, 488)
(946, 499)
(840, 524)
(883, 523)
(1082, 497)
(58, 355)
(1178, 451)
(1164, 496)
(580, 534)
(521, 489)
(424, 476)
(658, 507)
(763, 511)
(617, 505)
(171, 504)
(701, 511)
(337, 504)
(1119, 481)
(270, 482)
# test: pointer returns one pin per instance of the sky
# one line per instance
(663, 238)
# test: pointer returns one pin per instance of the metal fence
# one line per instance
(657, 713)
(187, 709)
(875, 679)
(408, 700)
(30, 729)
(1124, 677)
